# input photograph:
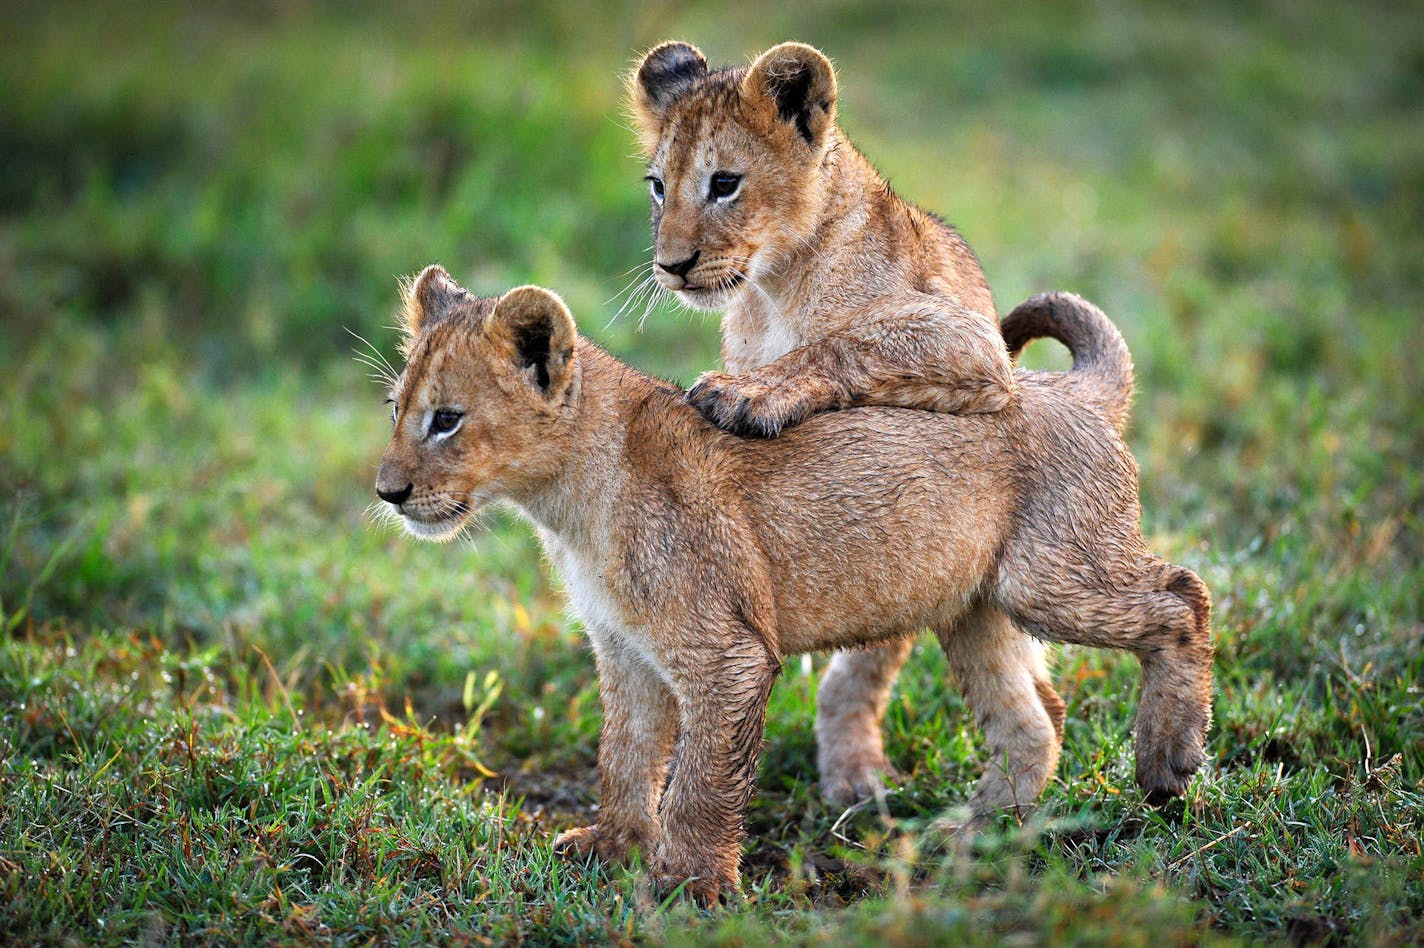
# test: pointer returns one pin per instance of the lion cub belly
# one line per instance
(846, 600)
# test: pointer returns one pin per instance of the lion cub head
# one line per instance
(734, 163)
(482, 408)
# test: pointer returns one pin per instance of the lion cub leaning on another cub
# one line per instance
(699, 560)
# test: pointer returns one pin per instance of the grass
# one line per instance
(231, 709)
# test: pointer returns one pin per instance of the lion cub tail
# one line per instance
(1102, 366)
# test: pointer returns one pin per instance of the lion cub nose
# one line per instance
(682, 267)
(396, 497)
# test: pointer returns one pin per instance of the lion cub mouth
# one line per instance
(444, 526)
(709, 293)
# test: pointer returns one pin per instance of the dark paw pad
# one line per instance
(752, 419)
(736, 408)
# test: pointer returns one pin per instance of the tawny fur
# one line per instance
(836, 293)
(698, 560)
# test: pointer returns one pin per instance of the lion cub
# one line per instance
(836, 292)
(698, 561)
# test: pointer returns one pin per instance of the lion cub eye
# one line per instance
(655, 184)
(724, 185)
(445, 420)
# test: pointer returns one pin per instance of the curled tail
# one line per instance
(1102, 366)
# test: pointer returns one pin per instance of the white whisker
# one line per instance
(635, 292)
(374, 358)
(766, 296)
(654, 300)
(377, 374)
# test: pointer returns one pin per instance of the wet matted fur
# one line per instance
(699, 560)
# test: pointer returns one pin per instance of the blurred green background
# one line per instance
(198, 203)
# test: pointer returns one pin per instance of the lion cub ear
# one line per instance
(536, 331)
(663, 74)
(429, 298)
(799, 82)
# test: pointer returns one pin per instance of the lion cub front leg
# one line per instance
(924, 353)
(723, 711)
(639, 730)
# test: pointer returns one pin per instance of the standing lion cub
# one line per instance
(698, 560)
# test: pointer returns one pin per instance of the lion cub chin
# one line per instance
(699, 560)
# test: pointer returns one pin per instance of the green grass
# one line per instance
(232, 708)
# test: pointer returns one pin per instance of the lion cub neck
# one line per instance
(625, 427)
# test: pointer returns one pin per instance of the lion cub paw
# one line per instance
(847, 782)
(746, 407)
(708, 891)
(585, 841)
(1165, 776)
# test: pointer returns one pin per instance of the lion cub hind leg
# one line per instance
(1004, 679)
(850, 704)
(1161, 613)
(1176, 689)
(639, 731)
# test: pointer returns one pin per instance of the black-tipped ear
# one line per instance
(429, 297)
(663, 74)
(539, 333)
(800, 83)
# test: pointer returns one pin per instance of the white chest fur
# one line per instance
(610, 627)
(780, 339)
(755, 333)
